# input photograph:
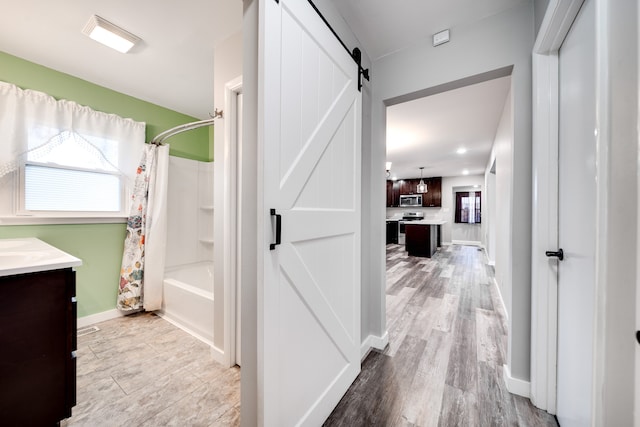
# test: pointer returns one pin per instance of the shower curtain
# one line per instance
(143, 259)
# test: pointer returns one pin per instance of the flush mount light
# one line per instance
(461, 150)
(111, 35)
(465, 172)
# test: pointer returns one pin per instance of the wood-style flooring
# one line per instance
(447, 346)
(141, 370)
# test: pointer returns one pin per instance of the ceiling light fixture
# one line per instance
(461, 150)
(422, 187)
(465, 172)
(111, 35)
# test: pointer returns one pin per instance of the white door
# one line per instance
(577, 220)
(309, 294)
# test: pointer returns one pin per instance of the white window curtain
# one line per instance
(33, 124)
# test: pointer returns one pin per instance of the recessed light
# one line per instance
(109, 34)
(465, 172)
(461, 150)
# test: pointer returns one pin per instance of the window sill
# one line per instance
(57, 220)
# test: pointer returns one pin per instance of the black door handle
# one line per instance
(559, 254)
(278, 233)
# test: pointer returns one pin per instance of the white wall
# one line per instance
(249, 409)
(617, 45)
(489, 209)
(492, 44)
(501, 154)
(227, 66)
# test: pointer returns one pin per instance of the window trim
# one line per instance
(458, 207)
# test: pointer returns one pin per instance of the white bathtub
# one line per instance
(188, 299)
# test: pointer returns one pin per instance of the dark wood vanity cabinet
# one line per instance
(37, 347)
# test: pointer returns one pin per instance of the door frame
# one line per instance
(557, 21)
(232, 227)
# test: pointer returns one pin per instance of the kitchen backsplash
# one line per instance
(429, 213)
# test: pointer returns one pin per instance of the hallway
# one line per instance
(447, 345)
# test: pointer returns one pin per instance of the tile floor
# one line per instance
(141, 370)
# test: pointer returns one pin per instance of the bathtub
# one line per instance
(188, 299)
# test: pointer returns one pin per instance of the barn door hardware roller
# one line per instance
(357, 56)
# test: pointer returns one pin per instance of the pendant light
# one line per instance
(422, 187)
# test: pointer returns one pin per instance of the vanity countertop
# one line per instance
(31, 255)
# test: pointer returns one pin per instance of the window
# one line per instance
(64, 160)
(468, 207)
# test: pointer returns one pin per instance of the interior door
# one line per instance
(309, 295)
(577, 220)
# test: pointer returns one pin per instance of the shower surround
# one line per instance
(188, 284)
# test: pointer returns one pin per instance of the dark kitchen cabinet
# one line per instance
(392, 232)
(421, 240)
(433, 196)
(38, 342)
(392, 194)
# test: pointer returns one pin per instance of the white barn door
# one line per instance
(309, 152)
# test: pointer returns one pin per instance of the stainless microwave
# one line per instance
(408, 200)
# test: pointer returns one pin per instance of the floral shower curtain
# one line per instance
(145, 242)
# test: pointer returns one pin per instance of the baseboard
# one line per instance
(514, 385)
(98, 317)
(373, 341)
(445, 243)
(504, 307)
(218, 356)
(466, 242)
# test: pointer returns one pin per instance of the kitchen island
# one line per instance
(423, 237)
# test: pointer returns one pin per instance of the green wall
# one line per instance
(99, 246)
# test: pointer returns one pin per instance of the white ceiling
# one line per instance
(428, 131)
(172, 68)
(384, 26)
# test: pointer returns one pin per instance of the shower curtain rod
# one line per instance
(161, 137)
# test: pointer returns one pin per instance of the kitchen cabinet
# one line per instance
(393, 194)
(392, 232)
(421, 240)
(433, 196)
